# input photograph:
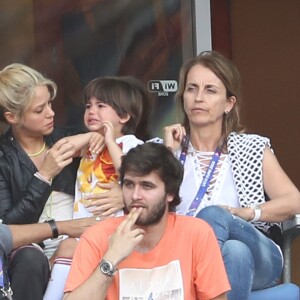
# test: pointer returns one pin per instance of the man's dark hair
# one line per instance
(153, 157)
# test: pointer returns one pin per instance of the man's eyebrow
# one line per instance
(126, 179)
(147, 182)
(140, 182)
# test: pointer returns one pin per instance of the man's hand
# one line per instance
(125, 238)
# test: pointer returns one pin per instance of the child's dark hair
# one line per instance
(152, 157)
(120, 95)
(143, 131)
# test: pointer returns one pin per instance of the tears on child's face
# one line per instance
(97, 112)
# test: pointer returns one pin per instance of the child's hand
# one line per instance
(96, 142)
(109, 132)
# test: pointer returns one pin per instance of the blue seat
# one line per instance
(285, 291)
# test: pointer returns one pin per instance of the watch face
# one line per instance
(107, 268)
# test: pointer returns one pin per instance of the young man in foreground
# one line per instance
(151, 253)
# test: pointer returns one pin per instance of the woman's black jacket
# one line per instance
(22, 195)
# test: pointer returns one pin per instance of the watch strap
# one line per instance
(54, 228)
(257, 214)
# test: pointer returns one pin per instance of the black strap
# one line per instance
(54, 228)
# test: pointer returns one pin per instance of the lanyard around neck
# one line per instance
(206, 179)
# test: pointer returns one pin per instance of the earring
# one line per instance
(227, 112)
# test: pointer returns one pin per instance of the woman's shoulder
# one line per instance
(3, 140)
(247, 144)
(247, 138)
(6, 143)
(9, 154)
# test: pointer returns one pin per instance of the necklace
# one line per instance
(39, 152)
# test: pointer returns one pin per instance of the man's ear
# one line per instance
(170, 197)
(125, 119)
(11, 118)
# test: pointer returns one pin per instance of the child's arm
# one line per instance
(114, 149)
(115, 153)
(92, 140)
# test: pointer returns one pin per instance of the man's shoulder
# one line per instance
(190, 223)
(190, 230)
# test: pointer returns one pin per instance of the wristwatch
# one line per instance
(107, 268)
(257, 212)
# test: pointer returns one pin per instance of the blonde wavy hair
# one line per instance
(17, 88)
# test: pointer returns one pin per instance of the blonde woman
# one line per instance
(37, 170)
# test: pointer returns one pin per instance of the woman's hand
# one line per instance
(245, 213)
(106, 203)
(60, 155)
(173, 136)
